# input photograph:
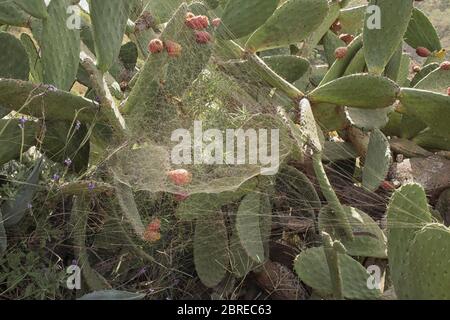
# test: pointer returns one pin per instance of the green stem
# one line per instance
(331, 196)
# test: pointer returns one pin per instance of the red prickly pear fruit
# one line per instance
(387, 185)
(416, 69)
(448, 91)
(202, 37)
(336, 26)
(197, 22)
(423, 52)
(347, 38)
(340, 52)
(156, 46)
(180, 177)
(189, 15)
(173, 49)
(216, 22)
(152, 233)
(445, 65)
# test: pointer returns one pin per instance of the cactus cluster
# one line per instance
(138, 61)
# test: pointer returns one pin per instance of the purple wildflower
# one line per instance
(77, 125)
(56, 177)
(91, 186)
(29, 206)
(68, 162)
(22, 122)
(51, 88)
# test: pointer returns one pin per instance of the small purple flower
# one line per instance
(68, 162)
(97, 99)
(77, 125)
(141, 272)
(29, 206)
(56, 177)
(74, 262)
(91, 186)
(22, 122)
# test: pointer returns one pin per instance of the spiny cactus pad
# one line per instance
(311, 267)
(378, 161)
(211, 253)
(14, 62)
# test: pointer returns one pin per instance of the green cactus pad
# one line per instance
(291, 68)
(393, 66)
(248, 226)
(311, 266)
(14, 63)
(112, 295)
(378, 161)
(428, 260)
(60, 47)
(339, 66)
(36, 8)
(241, 264)
(430, 140)
(211, 249)
(11, 14)
(407, 213)
(313, 40)
(330, 43)
(330, 117)
(62, 141)
(14, 93)
(436, 81)
(291, 23)
(183, 71)
(423, 73)
(421, 32)
(369, 240)
(429, 107)
(11, 136)
(129, 208)
(357, 65)
(242, 17)
(358, 91)
(381, 44)
(109, 19)
(337, 151)
(33, 57)
(352, 19)
(162, 10)
(197, 206)
(368, 119)
(309, 128)
(403, 72)
(14, 209)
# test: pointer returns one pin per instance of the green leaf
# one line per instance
(10, 14)
(378, 161)
(109, 19)
(211, 249)
(112, 295)
(407, 213)
(381, 43)
(14, 210)
(421, 32)
(357, 91)
(60, 47)
(312, 268)
(248, 226)
(291, 23)
(14, 63)
(241, 17)
(11, 139)
(429, 107)
(291, 68)
(36, 8)
(33, 57)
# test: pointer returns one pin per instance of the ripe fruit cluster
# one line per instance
(173, 49)
(180, 177)
(152, 233)
(199, 24)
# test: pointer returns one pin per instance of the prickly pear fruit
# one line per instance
(417, 69)
(216, 22)
(180, 177)
(173, 49)
(336, 26)
(347, 38)
(181, 196)
(202, 37)
(445, 65)
(423, 52)
(152, 233)
(197, 22)
(340, 52)
(448, 91)
(156, 46)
